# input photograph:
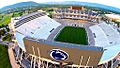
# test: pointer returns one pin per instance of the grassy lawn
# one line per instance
(74, 35)
(5, 20)
(4, 59)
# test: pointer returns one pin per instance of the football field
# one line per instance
(75, 35)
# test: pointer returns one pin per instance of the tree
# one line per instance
(20, 13)
(13, 14)
(7, 37)
(2, 32)
(50, 15)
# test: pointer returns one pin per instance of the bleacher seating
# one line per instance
(105, 34)
(27, 19)
(36, 28)
(113, 36)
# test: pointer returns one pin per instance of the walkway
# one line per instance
(54, 33)
(12, 59)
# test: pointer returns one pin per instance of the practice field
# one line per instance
(74, 35)
(4, 59)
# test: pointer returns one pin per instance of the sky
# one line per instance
(114, 3)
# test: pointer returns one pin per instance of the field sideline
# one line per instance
(74, 35)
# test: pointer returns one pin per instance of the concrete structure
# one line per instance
(33, 30)
(75, 12)
(115, 17)
(88, 55)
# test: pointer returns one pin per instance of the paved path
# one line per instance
(11, 54)
(7, 43)
(90, 35)
(12, 58)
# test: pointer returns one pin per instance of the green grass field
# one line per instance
(4, 59)
(74, 35)
(5, 20)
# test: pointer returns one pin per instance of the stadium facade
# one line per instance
(75, 12)
(33, 33)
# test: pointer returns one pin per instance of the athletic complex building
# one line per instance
(43, 42)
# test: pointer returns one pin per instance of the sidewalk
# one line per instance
(12, 59)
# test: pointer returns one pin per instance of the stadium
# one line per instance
(47, 43)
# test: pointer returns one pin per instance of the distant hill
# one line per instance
(31, 4)
(20, 6)
(110, 8)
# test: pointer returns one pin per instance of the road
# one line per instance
(7, 43)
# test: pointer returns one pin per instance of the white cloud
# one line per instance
(114, 3)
